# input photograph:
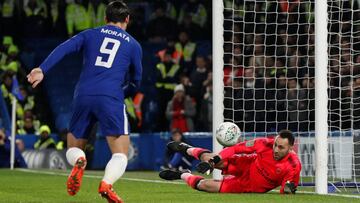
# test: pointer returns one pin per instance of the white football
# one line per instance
(228, 134)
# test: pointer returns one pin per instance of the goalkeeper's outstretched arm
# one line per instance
(246, 147)
(291, 181)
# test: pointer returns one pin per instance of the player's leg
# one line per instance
(113, 123)
(209, 185)
(196, 152)
(72, 141)
(115, 168)
(75, 149)
(194, 181)
(201, 184)
(76, 158)
(80, 126)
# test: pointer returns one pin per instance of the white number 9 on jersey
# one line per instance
(111, 52)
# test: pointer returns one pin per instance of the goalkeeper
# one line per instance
(254, 166)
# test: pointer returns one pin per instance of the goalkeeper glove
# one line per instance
(205, 167)
(208, 167)
(289, 188)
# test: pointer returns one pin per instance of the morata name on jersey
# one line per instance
(112, 32)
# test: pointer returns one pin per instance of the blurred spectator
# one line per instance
(62, 144)
(150, 109)
(97, 12)
(196, 10)
(170, 47)
(28, 102)
(249, 78)
(234, 9)
(5, 153)
(167, 78)
(307, 103)
(197, 77)
(281, 102)
(232, 71)
(161, 27)
(78, 17)
(57, 18)
(137, 23)
(258, 59)
(188, 87)
(11, 63)
(138, 106)
(187, 49)
(35, 18)
(6, 86)
(208, 80)
(9, 11)
(181, 110)
(204, 122)
(197, 33)
(6, 43)
(131, 114)
(8, 89)
(175, 160)
(28, 125)
(169, 8)
(20, 145)
(45, 141)
(294, 104)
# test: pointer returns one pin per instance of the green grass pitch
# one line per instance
(135, 187)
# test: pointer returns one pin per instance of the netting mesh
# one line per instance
(269, 84)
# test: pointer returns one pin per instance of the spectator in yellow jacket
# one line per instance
(45, 141)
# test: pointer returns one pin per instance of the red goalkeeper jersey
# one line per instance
(266, 173)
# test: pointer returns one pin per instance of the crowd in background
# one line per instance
(183, 76)
(14, 85)
(155, 21)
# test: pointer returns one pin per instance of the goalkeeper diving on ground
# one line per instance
(254, 166)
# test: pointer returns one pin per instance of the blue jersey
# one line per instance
(109, 55)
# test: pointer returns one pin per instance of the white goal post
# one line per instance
(321, 97)
(218, 73)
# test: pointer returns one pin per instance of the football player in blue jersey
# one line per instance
(110, 54)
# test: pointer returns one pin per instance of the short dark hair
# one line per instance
(288, 135)
(117, 11)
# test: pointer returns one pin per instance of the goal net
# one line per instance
(269, 79)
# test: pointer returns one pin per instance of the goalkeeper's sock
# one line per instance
(192, 180)
(73, 154)
(196, 152)
(115, 168)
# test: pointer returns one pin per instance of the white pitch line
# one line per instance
(99, 177)
(168, 182)
(330, 194)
